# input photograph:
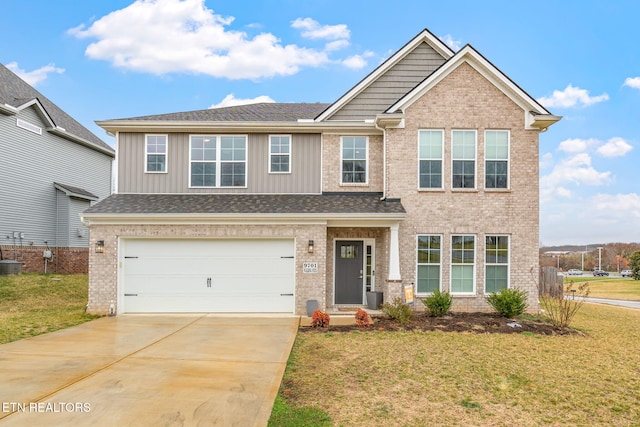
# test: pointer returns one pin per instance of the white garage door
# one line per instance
(181, 276)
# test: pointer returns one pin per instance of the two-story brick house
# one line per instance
(424, 173)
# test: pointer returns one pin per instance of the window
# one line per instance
(497, 263)
(279, 153)
(464, 158)
(429, 251)
(497, 158)
(156, 153)
(462, 264)
(354, 159)
(218, 161)
(430, 158)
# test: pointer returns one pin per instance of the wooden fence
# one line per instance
(550, 283)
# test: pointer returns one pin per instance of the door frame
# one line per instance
(365, 243)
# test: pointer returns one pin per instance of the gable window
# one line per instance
(156, 153)
(463, 155)
(429, 256)
(497, 158)
(354, 160)
(463, 264)
(279, 154)
(497, 263)
(430, 151)
(217, 161)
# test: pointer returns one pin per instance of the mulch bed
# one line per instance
(476, 323)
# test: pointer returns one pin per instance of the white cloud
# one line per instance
(571, 97)
(618, 207)
(172, 36)
(230, 100)
(357, 62)
(36, 76)
(577, 145)
(615, 147)
(633, 82)
(313, 30)
(455, 45)
(576, 170)
(546, 160)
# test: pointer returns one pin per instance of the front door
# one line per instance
(349, 272)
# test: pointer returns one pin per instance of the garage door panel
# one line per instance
(173, 275)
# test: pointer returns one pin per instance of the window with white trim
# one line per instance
(430, 153)
(429, 263)
(155, 153)
(496, 153)
(463, 264)
(279, 153)
(354, 160)
(217, 161)
(496, 263)
(463, 156)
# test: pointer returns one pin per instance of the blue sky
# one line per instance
(119, 58)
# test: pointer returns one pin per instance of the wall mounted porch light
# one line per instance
(310, 247)
(100, 247)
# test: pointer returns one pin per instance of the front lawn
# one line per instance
(34, 304)
(384, 378)
(609, 287)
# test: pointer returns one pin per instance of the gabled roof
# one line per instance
(16, 95)
(78, 192)
(425, 36)
(537, 116)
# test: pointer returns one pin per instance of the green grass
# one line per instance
(609, 287)
(436, 378)
(34, 304)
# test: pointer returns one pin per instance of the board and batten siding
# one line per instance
(305, 176)
(29, 165)
(392, 85)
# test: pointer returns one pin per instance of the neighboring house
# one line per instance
(424, 173)
(51, 169)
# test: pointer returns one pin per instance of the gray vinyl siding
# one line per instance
(305, 176)
(391, 86)
(29, 165)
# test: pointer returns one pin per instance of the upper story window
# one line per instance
(497, 158)
(463, 156)
(156, 153)
(354, 160)
(497, 263)
(217, 161)
(279, 153)
(429, 263)
(463, 268)
(430, 153)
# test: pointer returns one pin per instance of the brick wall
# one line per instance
(332, 159)
(64, 260)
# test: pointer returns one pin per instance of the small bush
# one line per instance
(559, 310)
(398, 310)
(508, 302)
(439, 303)
(319, 319)
(362, 318)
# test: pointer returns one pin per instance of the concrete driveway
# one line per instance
(147, 370)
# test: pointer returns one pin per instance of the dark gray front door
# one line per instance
(349, 276)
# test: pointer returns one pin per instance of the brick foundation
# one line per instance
(64, 260)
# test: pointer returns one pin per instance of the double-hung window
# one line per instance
(463, 264)
(496, 151)
(218, 161)
(463, 155)
(497, 263)
(279, 153)
(155, 153)
(429, 258)
(430, 152)
(354, 160)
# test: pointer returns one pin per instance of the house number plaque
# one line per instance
(309, 267)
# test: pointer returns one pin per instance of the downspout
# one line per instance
(384, 160)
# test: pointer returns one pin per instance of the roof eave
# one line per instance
(61, 132)
(8, 110)
(542, 121)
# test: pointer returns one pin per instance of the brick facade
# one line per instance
(64, 260)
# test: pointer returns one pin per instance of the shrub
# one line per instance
(398, 310)
(362, 318)
(559, 310)
(319, 319)
(508, 302)
(439, 303)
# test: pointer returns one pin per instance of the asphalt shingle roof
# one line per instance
(76, 190)
(327, 203)
(16, 92)
(262, 112)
